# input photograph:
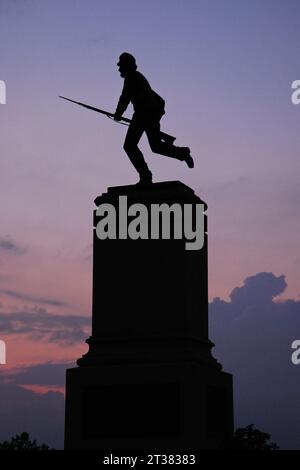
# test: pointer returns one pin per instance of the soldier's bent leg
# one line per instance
(132, 139)
(166, 148)
(163, 148)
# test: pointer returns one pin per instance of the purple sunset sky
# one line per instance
(225, 69)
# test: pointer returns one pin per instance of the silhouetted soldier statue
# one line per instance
(148, 111)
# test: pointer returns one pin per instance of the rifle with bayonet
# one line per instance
(163, 136)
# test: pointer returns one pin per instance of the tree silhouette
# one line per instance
(249, 438)
(22, 442)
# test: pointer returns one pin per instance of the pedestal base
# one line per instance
(148, 407)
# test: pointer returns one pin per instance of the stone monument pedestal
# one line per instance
(148, 381)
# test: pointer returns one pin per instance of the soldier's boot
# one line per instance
(187, 158)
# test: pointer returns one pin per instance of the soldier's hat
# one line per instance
(127, 59)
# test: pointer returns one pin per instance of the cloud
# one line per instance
(51, 374)
(7, 244)
(42, 416)
(32, 298)
(253, 335)
(258, 289)
(41, 325)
